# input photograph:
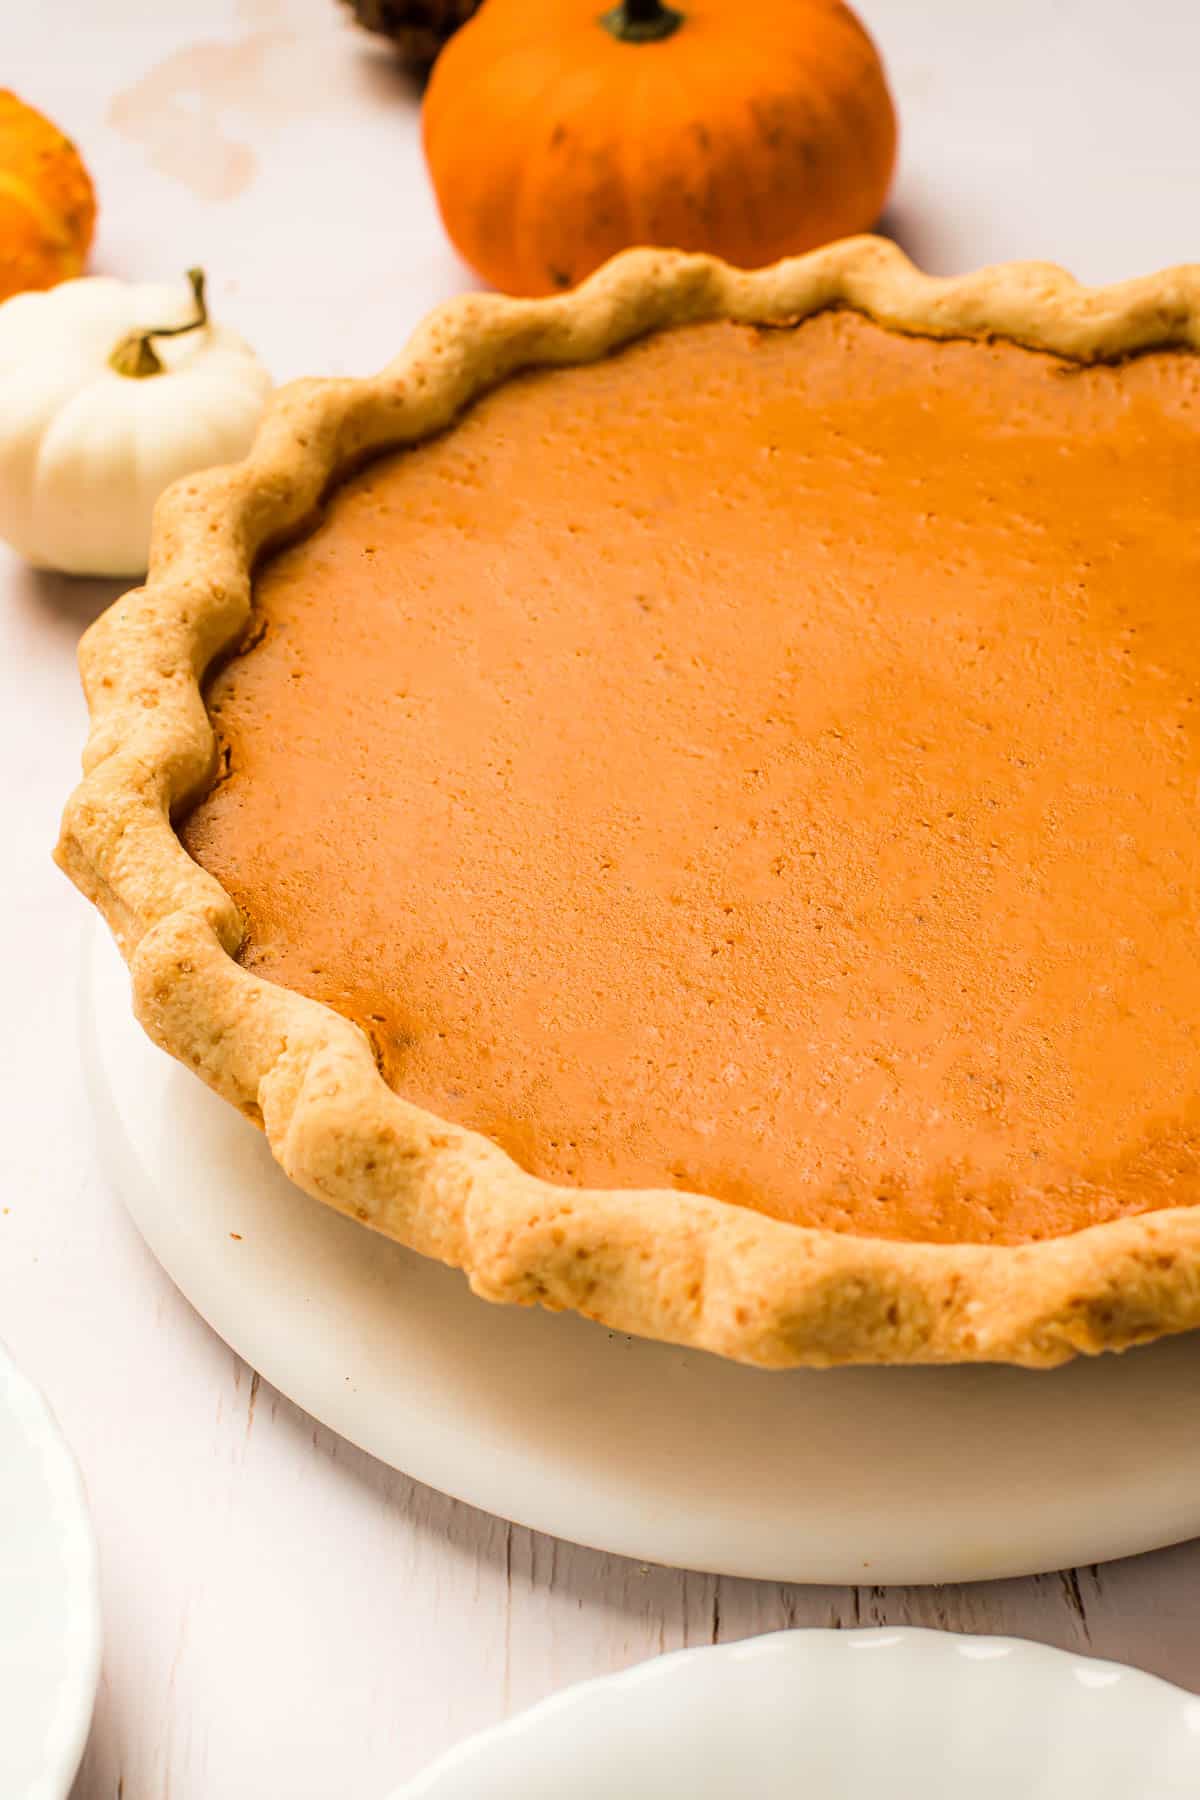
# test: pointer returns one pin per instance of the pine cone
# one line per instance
(418, 28)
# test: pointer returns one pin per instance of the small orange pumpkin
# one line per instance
(558, 133)
(47, 204)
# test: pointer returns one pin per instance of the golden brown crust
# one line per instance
(664, 1264)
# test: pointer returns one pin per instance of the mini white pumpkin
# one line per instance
(108, 393)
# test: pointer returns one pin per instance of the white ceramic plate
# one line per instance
(843, 1715)
(49, 1599)
(876, 1475)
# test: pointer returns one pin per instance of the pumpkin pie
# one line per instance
(680, 800)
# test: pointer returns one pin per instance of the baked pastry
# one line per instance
(700, 825)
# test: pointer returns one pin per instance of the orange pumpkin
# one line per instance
(47, 205)
(557, 133)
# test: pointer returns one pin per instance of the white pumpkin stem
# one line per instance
(136, 356)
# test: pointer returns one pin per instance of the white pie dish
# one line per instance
(843, 1716)
(889, 1476)
(49, 1599)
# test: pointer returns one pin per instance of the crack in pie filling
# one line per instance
(761, 762)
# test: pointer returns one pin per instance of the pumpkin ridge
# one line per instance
(526, 198)
(27, 197)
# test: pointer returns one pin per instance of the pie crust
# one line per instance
(665, 1264)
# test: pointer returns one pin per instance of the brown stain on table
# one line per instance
(179, 111)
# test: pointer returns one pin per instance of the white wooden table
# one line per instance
(285, 1617)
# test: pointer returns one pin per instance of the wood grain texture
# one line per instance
(283, 1615)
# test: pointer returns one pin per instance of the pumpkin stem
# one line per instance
(641, 21)
(135, 355)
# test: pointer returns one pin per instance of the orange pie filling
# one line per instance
(767, 763)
